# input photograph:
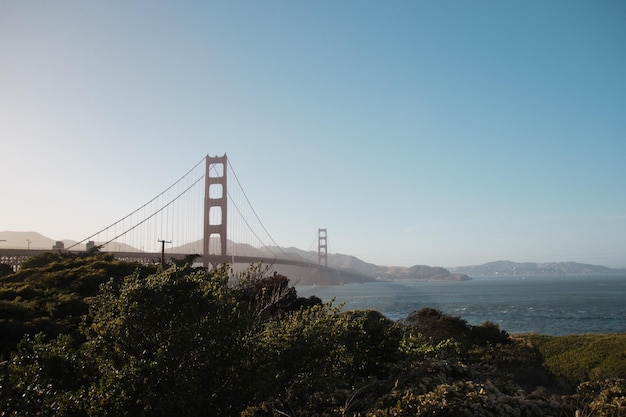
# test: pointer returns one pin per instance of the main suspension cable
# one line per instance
(127, 216)
(156, 212)
(254, 211)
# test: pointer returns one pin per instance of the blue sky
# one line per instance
(417, 132)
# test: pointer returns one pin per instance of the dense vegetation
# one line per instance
(578, 358)
(93, 336)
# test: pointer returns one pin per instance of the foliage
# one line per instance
(170, 340)
(51, 293)
(606, 398)
(45, 378)
(188, 342)
(579, 358)
(5, 269)
(440, 327)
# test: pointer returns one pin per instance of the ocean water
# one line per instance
(548, 305)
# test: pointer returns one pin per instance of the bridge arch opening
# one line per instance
(215, 244)
(216, 191)
(215, 215)
(216, 169)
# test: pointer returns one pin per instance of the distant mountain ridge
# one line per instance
(378, 272)
(352, 268)
(347, 268)
(509, 268)
(32, 240)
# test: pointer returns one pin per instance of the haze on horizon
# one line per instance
(438, 133)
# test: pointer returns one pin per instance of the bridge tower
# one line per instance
(215, 204)
(322, 247)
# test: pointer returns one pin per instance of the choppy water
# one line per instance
(548, 305)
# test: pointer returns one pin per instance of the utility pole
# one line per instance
(163, 242)
(28, 240)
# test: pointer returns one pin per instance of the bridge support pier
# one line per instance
(322, 248)
(215, 205)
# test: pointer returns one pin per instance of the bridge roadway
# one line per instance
(15, 258)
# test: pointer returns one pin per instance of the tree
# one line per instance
(168, 344)
(46, 378)
(51, 294)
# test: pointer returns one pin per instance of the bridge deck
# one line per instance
(15, 258)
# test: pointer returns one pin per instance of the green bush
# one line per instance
(579, 358)
(189, 342)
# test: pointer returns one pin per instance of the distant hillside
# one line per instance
(386, 273)
(20, 240)
(352, 269)
(508, 268)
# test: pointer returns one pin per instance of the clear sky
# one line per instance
(417, 132)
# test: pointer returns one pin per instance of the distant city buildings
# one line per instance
(58, 245)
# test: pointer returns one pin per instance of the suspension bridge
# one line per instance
(198, 217)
